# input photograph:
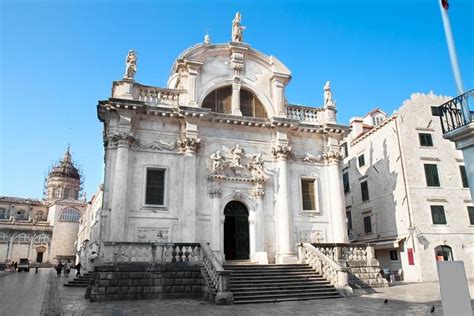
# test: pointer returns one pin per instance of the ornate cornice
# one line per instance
(281, 152)
(332, 156)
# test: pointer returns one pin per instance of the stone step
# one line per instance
(304, 270)
(264, 266)
(285, 297)
(272, 274)
(261, 289)
(76, 284)
(278, 283)
(276, 277)
(265, 292)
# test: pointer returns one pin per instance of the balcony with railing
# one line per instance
(457, 112)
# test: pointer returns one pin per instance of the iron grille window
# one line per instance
(155, 187)
(470, 211)
(364, 188)
(431, 174)
(4, 237)
(367, 225)
(437, 214)
(345, 182)
(70, 215)
(465, 184)
(361, 160)
(308, 194)
(393, 255)
(425, 140)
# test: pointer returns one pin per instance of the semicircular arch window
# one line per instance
(220, 101)
(22, 238)
(70, 215)
(4, 237)
(41, 239)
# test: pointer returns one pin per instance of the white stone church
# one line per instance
(220, 156)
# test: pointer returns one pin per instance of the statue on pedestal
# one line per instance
(131, 65)
(328, 95)
(237, 29)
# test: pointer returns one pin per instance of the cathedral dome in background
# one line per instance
(65, 168)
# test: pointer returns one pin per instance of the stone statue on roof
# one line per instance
(131, 65)
(237, 29)
(328, 101)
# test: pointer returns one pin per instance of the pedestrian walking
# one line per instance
(78, 269)
(67, 268)
(15, 266)
(59, 267)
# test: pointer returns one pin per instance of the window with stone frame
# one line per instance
(345, 150)
(431, 175)
(465, 183)
(470, 211)
(155, 187)
(22, 238)
(40, 216)
(425, 140)
(20, 215)
(4, 237)
(393, 255)
(41, 239)
(437, 215)
(3, 213)
(70, 215)
(345, 182)
(367, 224)
(364, 189)
(349, 218)
(361, 160)
(308, 194)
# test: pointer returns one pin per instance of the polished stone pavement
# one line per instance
(44, 294)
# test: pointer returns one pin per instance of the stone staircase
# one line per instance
(362, 276)
(81, 281)
(252, 283)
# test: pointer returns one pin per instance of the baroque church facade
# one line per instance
(44, 231)
(220, 156)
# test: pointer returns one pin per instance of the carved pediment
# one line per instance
(236, 165)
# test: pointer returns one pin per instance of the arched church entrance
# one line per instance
(236, 231)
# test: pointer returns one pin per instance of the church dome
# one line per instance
(65, 169)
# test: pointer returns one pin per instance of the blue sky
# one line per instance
(58, 58)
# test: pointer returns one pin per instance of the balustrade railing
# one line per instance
(330, 269)
(155, 95)
(132, 252)
(456, 112)
(304, 114)
(216, 277)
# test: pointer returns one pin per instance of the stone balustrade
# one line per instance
(155, 95)
(132, 252)
(346, 252)
(304, 114)
(330, 269)
(216, 277)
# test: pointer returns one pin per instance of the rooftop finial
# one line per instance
(67, 154)
(237, 29)
(131, 65)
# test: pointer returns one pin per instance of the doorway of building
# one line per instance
(39, 257)
(443, 253)
(236, 231)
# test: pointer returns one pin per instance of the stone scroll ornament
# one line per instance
(237, 29)
(131, 65)
(332, 156)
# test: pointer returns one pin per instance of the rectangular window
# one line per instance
(425, 140)
(308, 194)
(393, 255)
(367, 225)
(465, 184)
(431, 174)
(470, 210)
(349, 219)
(364, 188)
(361, 160)
(437, 215)
(345, 150)
(155, 187)
(345, 182)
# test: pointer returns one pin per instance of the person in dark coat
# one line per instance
(78, 269)
(59, 268)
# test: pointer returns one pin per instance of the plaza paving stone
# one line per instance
(406, 299)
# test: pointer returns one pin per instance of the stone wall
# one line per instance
(145, 281)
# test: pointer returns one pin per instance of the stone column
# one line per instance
(283, 211)
(236, 99)
(336, 197)
(260, 255)
(215, 195)
(119, 209)
(188, 220)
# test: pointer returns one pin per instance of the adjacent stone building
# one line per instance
(220, 156)
(43, 231)
(406, 190)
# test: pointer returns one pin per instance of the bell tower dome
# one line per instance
(64, 180)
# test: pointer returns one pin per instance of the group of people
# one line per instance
(66, 268)
(13, 266)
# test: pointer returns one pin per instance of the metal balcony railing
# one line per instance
(456, 112)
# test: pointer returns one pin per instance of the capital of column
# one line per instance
(188, 145)
(281, 152)
(258, 192)
(332, 157)
(120, 140)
